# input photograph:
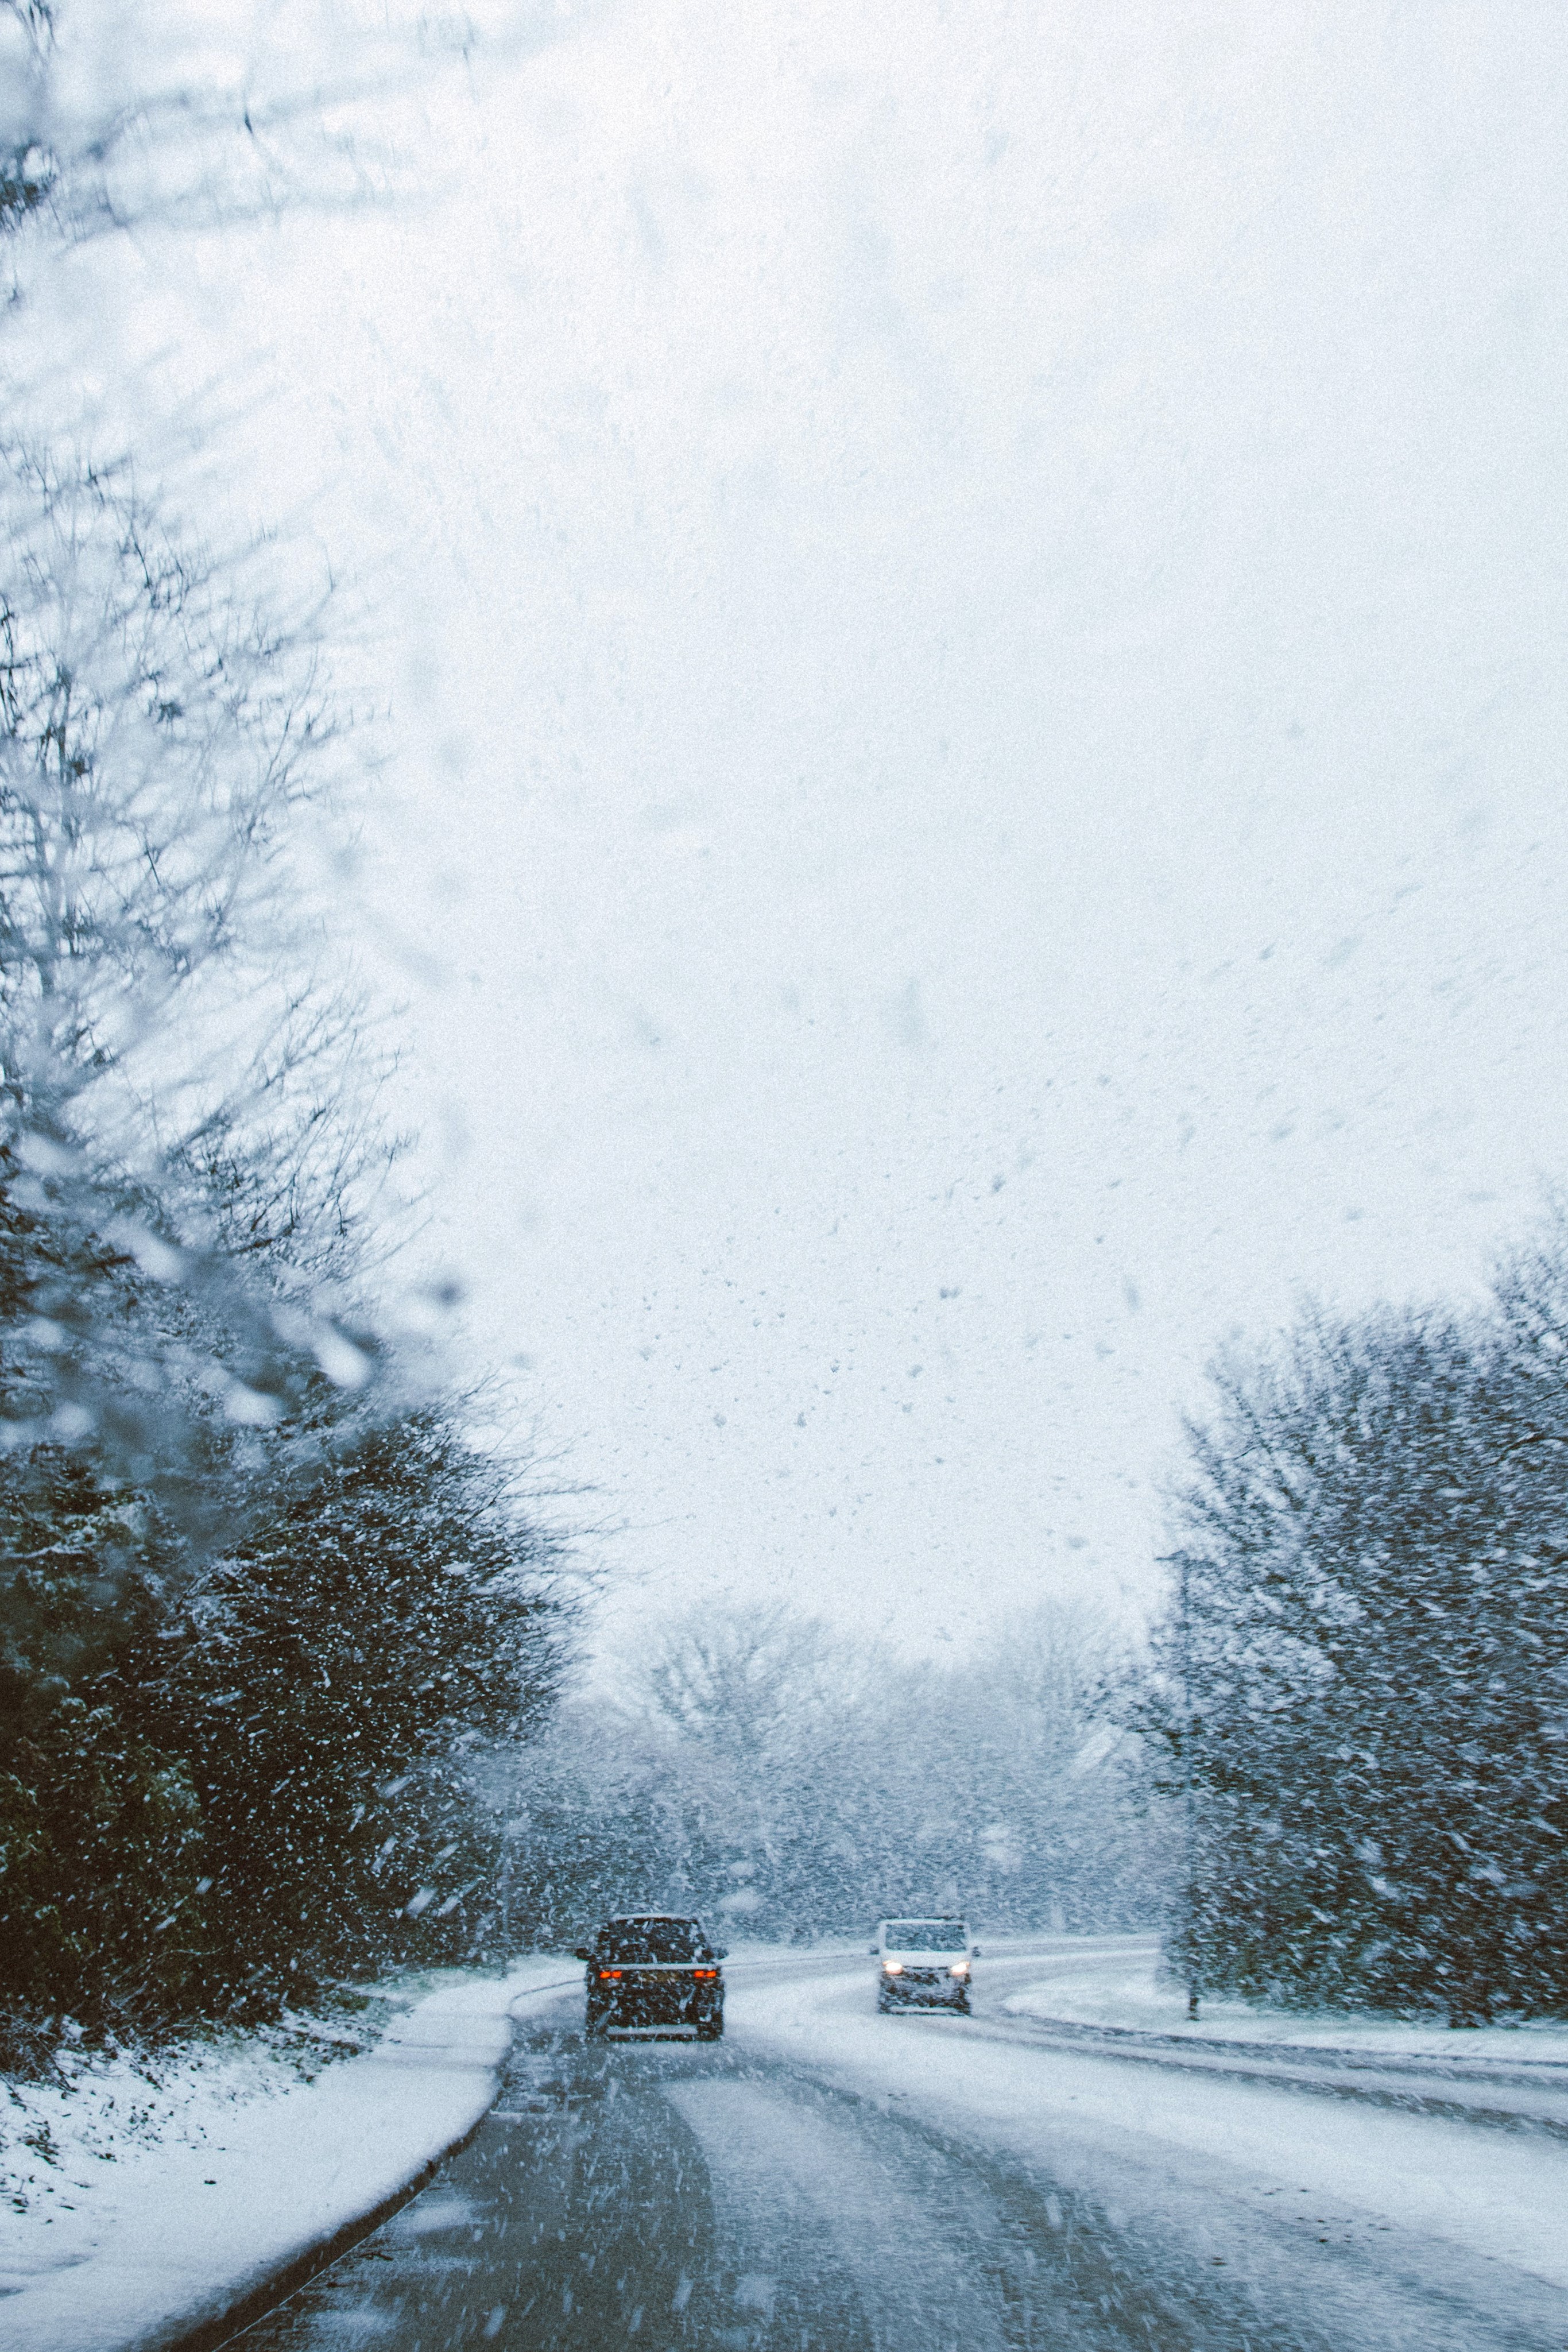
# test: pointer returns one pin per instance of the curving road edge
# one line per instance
(188, 2249)
(453, 2048)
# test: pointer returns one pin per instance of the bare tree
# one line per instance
(747, 1682)
(114, 112)
(182, 1110)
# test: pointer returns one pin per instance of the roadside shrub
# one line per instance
(1363, 1698)
(335, 1687)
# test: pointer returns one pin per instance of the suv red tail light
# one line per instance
(705, 1973)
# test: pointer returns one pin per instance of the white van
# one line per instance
(925, 1962)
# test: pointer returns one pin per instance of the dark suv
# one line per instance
(652, 1973)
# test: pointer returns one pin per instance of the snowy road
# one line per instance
(828, 2178)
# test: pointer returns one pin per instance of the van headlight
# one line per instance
(960, 1969)
(892, 1967)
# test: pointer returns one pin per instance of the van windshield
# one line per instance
(926, 1935)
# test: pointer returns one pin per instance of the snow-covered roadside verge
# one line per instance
(1125, 1991)
(243, 2185)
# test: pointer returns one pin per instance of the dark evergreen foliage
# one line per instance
(100, 1831)
(1365, 1689)
(218, 1795)
(333, 1686)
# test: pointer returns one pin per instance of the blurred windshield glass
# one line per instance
(926, 1935)
(653, 1939)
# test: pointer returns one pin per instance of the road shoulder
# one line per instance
(173, 2250)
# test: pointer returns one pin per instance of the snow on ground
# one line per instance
(1109, 2123)
(1124, 1986)
(58, 2132)
(148, 2196)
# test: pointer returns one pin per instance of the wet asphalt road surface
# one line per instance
(678, 2198)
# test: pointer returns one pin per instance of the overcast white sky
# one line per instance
(972, 602)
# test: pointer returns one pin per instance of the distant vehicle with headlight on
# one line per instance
(924, 1963)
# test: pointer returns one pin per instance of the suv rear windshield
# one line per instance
(633, 1941)
(926, 1935)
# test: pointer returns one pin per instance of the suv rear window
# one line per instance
(926, 1935)
(634, 1940)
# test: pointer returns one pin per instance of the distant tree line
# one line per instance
(761, 1769)
(1362, 1693)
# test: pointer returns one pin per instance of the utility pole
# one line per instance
(511, 1833)
(1189, 1826)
